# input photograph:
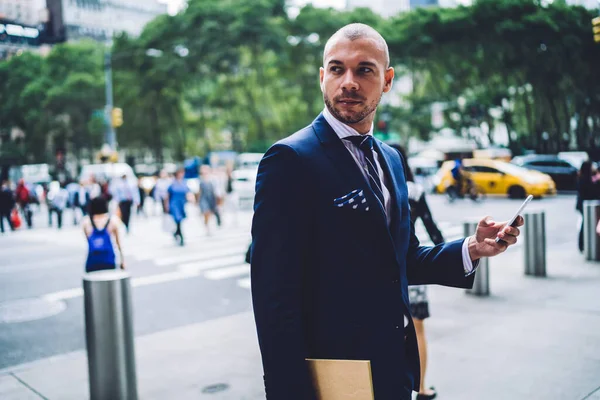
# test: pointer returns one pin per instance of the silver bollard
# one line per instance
(109, 335)
(535, 243)
(591, 240)
(481, 286)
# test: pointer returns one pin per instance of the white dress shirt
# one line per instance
(344, 131)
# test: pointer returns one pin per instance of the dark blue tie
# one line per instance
(365, 144)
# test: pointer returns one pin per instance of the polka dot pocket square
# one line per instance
(354, 200)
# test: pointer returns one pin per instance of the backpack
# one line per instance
(100, 247)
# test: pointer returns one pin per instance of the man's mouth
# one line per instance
(349, 102)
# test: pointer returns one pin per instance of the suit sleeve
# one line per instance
(441, 264)
(280, 241)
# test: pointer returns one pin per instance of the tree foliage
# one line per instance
(241, 74)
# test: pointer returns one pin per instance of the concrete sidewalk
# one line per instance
(534, 338)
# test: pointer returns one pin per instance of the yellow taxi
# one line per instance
(497, 177)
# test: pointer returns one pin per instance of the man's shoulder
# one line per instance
(300, 139)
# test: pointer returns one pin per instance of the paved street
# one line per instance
(193, 313)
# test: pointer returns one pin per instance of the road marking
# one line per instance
(148, 253)
(182, 258)
(244, 283)
(215, 263)
(196, 242)
(63, 294)
(228, 272)
(184, 271)
(42, 264)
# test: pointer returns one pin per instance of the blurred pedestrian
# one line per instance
(232, 199)
(100, 229)
(83, 198)
(417, 295)
(94, 189)
(23, 198)
(588, 188)
(57, 199)
(7, 204)
(208, 197)
(142, 196)
(161, 189)
(73, 199)
(175, 202)
(126, 195)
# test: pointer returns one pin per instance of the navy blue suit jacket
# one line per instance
(330, 282)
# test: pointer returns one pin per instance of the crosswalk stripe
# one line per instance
(228, 272)
(244, 283)
(176, 251)
(193, 240)
(200, 256)
(184, 271)
(214, 263)
(42, 264)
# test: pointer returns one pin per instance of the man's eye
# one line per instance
(335, 69)
(365, 70)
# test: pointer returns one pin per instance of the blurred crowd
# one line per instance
(212, 191)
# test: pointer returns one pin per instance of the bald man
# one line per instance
(333, 246)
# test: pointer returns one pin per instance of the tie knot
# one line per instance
(363, 142)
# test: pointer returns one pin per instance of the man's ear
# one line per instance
(388, 77)
(321, 76)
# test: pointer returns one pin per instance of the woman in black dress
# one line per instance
(419, 303)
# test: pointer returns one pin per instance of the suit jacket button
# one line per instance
(397, 326)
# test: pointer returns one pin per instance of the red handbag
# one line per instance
(15, 219)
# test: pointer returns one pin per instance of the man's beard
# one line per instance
(357, 117)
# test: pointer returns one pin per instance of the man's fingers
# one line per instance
(509, 231)
(508, 239)
(500, 246)
(487, 221)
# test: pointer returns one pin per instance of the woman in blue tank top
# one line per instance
(100, 229)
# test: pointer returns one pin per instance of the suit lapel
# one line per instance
(346, 165)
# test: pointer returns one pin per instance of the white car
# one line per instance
(244, 181)
(248, 160)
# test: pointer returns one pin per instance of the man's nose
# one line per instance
(349, 82)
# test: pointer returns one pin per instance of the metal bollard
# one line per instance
(109, 335)
(481, 286)
(591, 240)
(535, 243)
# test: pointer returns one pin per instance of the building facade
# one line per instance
(26, 12)
(385, 8)
(102, 19)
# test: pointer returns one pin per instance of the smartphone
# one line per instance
(519, 211)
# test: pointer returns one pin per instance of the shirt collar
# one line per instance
(341, 129)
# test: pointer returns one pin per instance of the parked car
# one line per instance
(248, 160)
(561, 171)
(498, 177)
(244, 182)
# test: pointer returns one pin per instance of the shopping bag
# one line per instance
(15, 219)
(168, 225)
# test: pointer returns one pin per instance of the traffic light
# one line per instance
(117, 117)
(596, 29)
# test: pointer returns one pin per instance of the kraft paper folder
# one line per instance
(342, 379)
